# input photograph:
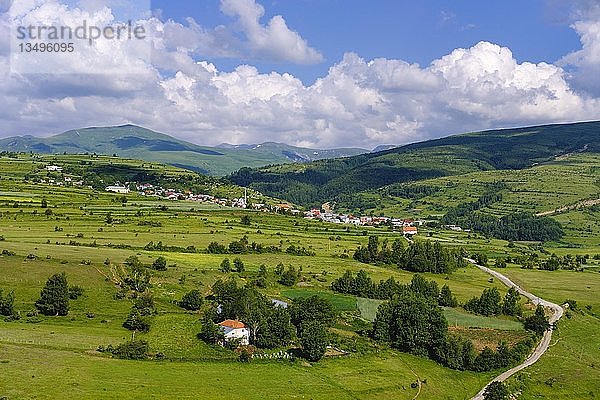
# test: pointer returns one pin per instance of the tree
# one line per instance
(314, 340)
(136, 322)
(225, 265)
(109, 218)
(496, 391)
(246, 220)
(54, 297)
(362, 285)
(538, 322)
(289, 277)
(311, 309)
(238, 265)
(446, 298)
(44, 203)
(210, 332)
(344, 283)
(160, 264)
(412, 323)
(511, 305)
(192, 300)
(145, 304)
(277, 330)
(7, 304)
(137, 277)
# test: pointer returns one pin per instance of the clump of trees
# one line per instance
(538, 322)
(269, 325)
(412, 323)
(490, 303)
(362, 285)
(419, 256)
(241, 246)
(54, 297)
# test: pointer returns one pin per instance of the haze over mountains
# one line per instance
(132, 141)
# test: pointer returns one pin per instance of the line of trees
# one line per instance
(362, 285)
(242, 246)
(490, 303)
(419, 256)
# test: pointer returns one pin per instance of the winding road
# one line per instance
(557, 312)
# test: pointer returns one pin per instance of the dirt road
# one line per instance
(557, 312)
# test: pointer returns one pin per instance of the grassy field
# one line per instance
(55, 357)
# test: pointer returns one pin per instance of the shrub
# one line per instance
(133, 350)
(160, 264)
(192, 300)
(75, 292)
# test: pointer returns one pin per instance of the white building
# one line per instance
(117, 189)
(55, 168)
(235, 330)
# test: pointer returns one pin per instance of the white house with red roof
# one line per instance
(409, 230)
(235, 330)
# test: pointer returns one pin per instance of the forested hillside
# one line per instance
(340, 179)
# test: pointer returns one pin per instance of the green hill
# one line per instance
(130, 141)
(343, 180)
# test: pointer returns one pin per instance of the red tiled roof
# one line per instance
(409, 229)
(233, 324)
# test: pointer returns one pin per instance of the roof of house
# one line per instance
(409, 229)
(232, 323)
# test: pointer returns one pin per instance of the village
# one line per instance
(409, 227)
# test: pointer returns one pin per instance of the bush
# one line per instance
(75, 292)
(289, 277)
(192, 300)
(160, 264)
(133, 350)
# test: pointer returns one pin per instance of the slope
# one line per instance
(507, 149)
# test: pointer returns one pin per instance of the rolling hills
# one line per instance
(346, 180)
(131, 141)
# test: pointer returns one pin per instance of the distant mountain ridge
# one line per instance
(131, 141)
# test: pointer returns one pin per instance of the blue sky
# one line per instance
(315, 73)
(414, 31)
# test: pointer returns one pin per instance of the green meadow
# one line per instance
(57, 357)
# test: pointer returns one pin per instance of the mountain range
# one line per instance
(131, 141)
(344, 180)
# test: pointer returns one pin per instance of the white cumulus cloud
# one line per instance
(359, 102)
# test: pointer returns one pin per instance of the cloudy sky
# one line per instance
(319, 73)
